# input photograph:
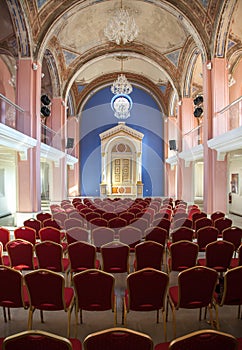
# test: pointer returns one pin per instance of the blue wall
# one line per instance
(97, 117)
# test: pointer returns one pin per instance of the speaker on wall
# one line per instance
(172, 145)
(70, 142)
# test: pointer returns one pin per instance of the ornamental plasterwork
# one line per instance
(121, 128)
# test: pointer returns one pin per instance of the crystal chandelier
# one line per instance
(121, 28)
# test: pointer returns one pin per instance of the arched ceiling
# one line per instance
(73, 31)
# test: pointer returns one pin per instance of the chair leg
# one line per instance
(76, 320)
(164, 324)
(30, 319)
(239, 316)
(68, 323)
(42, 316)
(167, 306)
(200, 314)
(9, 314)
(4, 314)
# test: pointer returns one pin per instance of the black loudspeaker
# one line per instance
(70, 142)
(172, 145)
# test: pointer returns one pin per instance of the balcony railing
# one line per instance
(192, 138)
(229, 118)
(50, 137)
(9, 112)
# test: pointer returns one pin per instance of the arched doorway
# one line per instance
(121, 149)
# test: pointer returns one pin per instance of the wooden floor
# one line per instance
(187, 320)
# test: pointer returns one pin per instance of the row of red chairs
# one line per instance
(121, 338)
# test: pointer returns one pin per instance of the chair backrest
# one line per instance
(60, 217)
(208, 339)
(98, 222)
(217, 215)
(45, 287)
(222, 224)
(75, 234)
(50, 233)
(163, 223)
(49, 255)
(182, 222)
(94, 290)
(183, 254)
(43, 216)
(202, 222)
(141, 223)
(4, 236)
(35, 224)
(233, 234)
(11, 291)
(82, 255)
(26, 233)
(51, 223)
(219, 255)
(115, 257)
(118, 339)
(102, 235)
(206, 235)
(232, 291)
(117, 223)
(197, 216)
(73, 222)
(156, 234)
(149, 254)
(21, 254)
(196, 287)
(108, 215)
(182, 233)
(130, 236)
(147, 289)
(38, 340)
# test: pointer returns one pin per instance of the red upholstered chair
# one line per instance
(180, 215)
(35, 224)
(91, 216)
(192, 211)
(206, 235)
(21, 255)
(82, 256)
(146, 291)
(181, 234)
(140, 223)
(38, 340)
(217, 215)
(182, 255)
(115, 257)
(47, 292)
(156, 234)
(116, 224)
(233, 234)
(51, 223)
(50, 256)
(130, 236)
(60, 217)
(126, 215)
(4, 237)
(73, 222)
(195, 290)
(12, 292)
(182, 223)
(94, 291)
(102, 235)
(197, 216)
(42, 216)
(53, 234)
(208, 339)
(148, 254)
(108, 215)
(202, 222)
(99, 222)
(26, 233)
(222, 223)
(145, 215)
(118, 339)
(232, 289)
(218, 256)
(75, 234)
(163, 223)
